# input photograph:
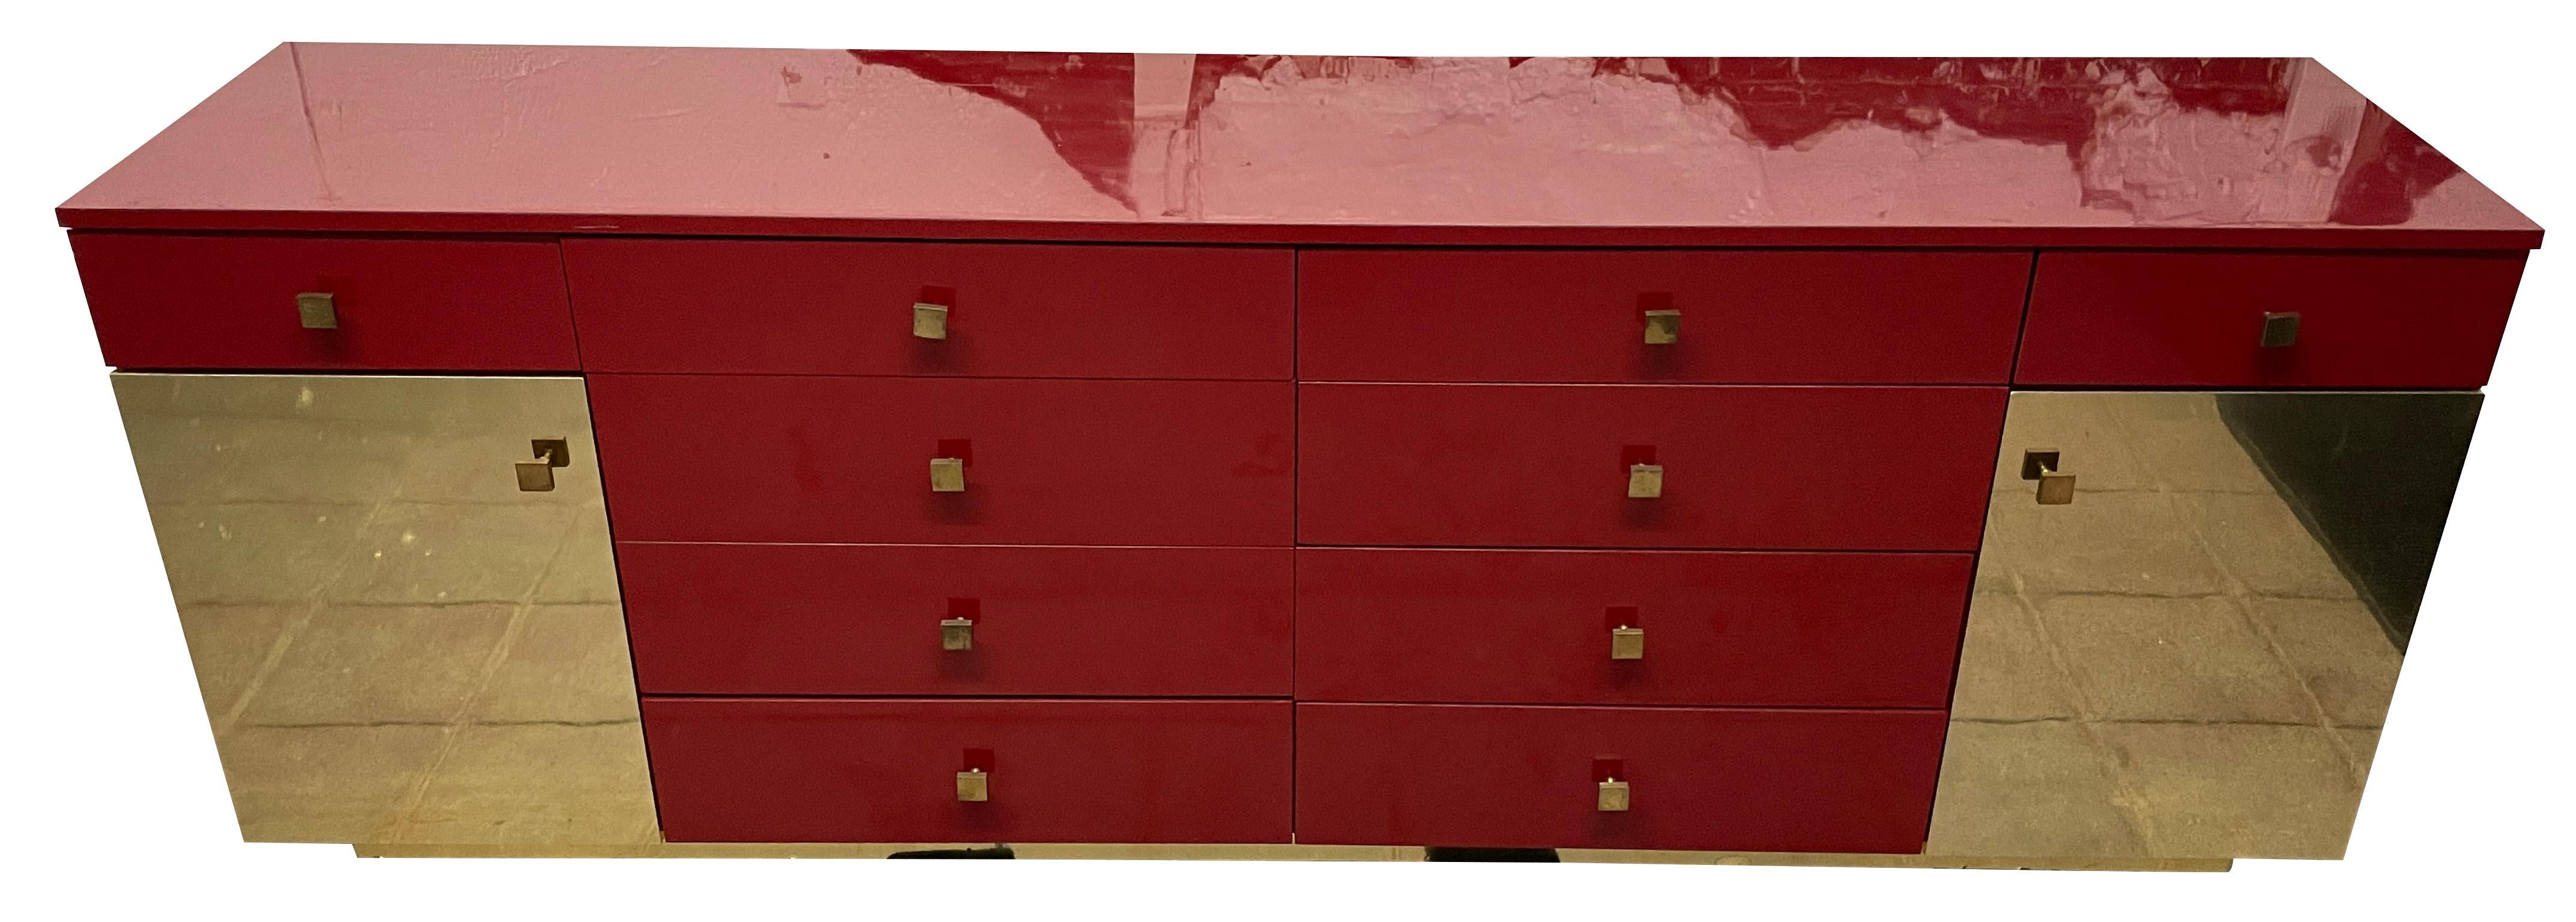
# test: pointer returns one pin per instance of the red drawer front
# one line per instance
(1533, 627)
(2196, 319)
(819, 619)
(170, 301)
(826, 459)
(1016, 310)
(1802, 468)
(1747, 316)
(885, 770)
(1699, 779)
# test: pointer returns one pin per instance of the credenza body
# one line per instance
(1910, 541)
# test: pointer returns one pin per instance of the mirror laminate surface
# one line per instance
(2193, 658)
(395, 643)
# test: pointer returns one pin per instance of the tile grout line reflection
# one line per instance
(461, 718)
(312, 606)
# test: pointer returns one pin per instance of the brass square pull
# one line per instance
(315, 309)
(1614, 797)
(1663, 327)
(1627, 642)
(1645, 481)
(948, 475)
(956, 634)
(2055, 488)
(930, 321)
(537, 475)
(974, 785)
(2280, 329)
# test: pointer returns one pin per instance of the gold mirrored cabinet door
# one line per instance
(396, 641)
(2191, 655)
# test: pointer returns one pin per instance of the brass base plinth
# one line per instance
(1089, 852)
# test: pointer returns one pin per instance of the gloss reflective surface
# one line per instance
(2194, 657)
(394, 642)
(421, 137)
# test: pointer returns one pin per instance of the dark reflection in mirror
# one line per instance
(2373, 488)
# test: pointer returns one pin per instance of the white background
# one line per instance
(112, 803)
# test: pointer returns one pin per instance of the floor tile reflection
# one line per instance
(394, 643)
(2172, 666)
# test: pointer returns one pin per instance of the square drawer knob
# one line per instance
(930, 321)
(317, 311)
(1614, 797)
(1663, 327)
(974, 785)
(537, 475)
(1627, 642)
(2056, 488)
(1645, 481)
(2280, 329)
(948, 475)
(956, 634)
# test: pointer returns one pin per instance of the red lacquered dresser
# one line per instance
(859, 452)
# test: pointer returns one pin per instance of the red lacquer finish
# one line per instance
(181, 301)
(1791, 468)
(826, 307)
(1700, 778)
(805, 619)
(1099, 770)
(1243, 148)
(1532, 627)
(1747, 316)
(2196, 319)
(825, 459)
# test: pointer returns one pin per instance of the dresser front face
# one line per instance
(1274, 606)
(396, 642)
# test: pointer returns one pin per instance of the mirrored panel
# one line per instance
(400, 602)
(2188, 618)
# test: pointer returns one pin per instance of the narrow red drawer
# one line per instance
(1746, 316)
(885, 770)
(1698, 778)
(178, 301)
(1795, 468)
(2198, 319)
(1015, 310)
(821, 619)
(1535, 627)
(830, 459)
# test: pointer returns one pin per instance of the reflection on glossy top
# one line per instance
(2264, 151)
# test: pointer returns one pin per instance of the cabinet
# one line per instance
(396, 642)
(2194, 655)
(1169, 454)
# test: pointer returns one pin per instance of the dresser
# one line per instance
(2024, 462)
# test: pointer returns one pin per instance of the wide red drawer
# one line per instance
(833, 459)
(179, 301)
(2198, 319)
(1698, 778)
(1793, 468)
(1746, 316)
(885, 770)
(1535, 627)
(824, 619)
(1015, 310)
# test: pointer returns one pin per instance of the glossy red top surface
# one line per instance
(1246, 148)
